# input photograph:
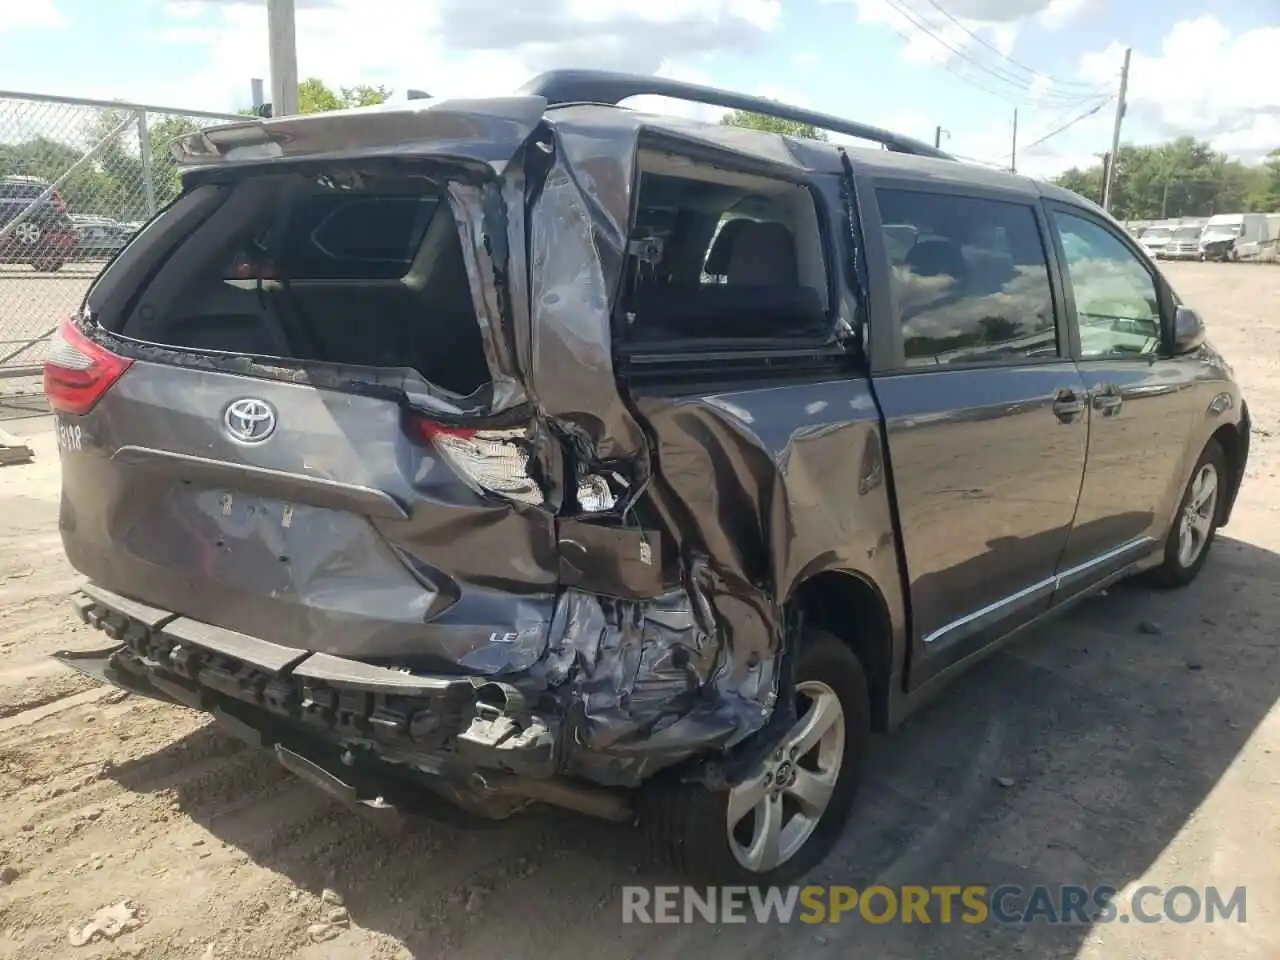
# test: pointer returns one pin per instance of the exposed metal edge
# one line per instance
(261, 653)
(115, 105)
(374, 679)
(151, 617)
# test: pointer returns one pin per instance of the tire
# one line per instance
(1180, 567)
(48, 265)
(28, 234)
(688, 825)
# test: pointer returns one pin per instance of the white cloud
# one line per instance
(469, 47)
(1061, 13)
(41, 14)
(1205, 82)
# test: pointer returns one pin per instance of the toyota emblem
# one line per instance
(249, 420)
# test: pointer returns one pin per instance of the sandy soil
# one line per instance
(1092, 752)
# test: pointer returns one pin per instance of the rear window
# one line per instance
(355, 268)
(330, 235)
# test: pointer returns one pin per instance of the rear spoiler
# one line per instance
(488, 130)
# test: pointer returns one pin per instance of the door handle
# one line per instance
(1067, 405)
(1107, 399)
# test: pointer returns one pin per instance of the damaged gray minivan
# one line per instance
(537, 450)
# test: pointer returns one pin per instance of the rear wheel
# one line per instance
(785, 816)
(1196, 523)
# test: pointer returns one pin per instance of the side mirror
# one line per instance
(1188, 331)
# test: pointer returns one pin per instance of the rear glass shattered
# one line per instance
(362, 268)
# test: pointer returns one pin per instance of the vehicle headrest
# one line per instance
(718, 259)
(763, 255)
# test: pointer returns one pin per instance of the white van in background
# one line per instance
(1234, 236)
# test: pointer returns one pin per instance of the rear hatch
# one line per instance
(289, 408)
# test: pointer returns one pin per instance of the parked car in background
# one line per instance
(1183, 244)
(1233, 236)
(35, 227)
(100, 237)
(1154, 240)
(535, 449)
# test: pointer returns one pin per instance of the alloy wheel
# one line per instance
(1196, 522)
(773, 813)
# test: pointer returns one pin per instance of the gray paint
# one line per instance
(748, 489)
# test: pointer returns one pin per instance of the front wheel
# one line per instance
(785, 816)
(1196, 523)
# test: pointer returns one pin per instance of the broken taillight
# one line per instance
(489, 461)
(77, 372)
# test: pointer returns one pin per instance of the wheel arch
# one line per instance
(1234, 441)
(851, 607)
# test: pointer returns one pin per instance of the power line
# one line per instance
(956, 73)
(1018, 83)
(1069, 124)
(1056, 81)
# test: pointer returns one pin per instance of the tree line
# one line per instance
(1181, 178)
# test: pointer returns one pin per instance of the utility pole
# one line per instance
(1109, 177)
(283, 50)
(937, 136)
(1013, 154)
(256, 96)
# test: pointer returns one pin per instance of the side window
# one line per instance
(1116, 300)
(721, 256)
(971, 279)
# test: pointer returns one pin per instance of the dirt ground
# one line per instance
(1094, 752)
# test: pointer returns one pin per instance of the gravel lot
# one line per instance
(1093, 752)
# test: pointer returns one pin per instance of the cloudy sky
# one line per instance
(907, 64)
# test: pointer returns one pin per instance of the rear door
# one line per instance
(985, 413)
(289, 413)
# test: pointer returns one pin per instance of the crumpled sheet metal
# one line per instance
(651, 682)
(577, 249)
(641, 679)
(480, 214)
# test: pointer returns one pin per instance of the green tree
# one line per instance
(1182, 178)
(1263, 189)
(315, 97)
(767, 124)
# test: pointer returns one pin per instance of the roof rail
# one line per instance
(604, 86)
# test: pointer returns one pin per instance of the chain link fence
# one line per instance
(77, 179)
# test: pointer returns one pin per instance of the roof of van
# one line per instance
(492, 127)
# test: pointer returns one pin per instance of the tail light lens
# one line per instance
(58, 203)
(77, 372)
(489, 461)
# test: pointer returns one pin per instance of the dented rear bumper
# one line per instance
(617, 696)
(432, 723)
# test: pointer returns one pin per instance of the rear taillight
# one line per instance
(489, 461)
(77, 372)
(58, 203)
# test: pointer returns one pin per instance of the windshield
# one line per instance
(1225, 229)
(1157, 233)
(1187, 233)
